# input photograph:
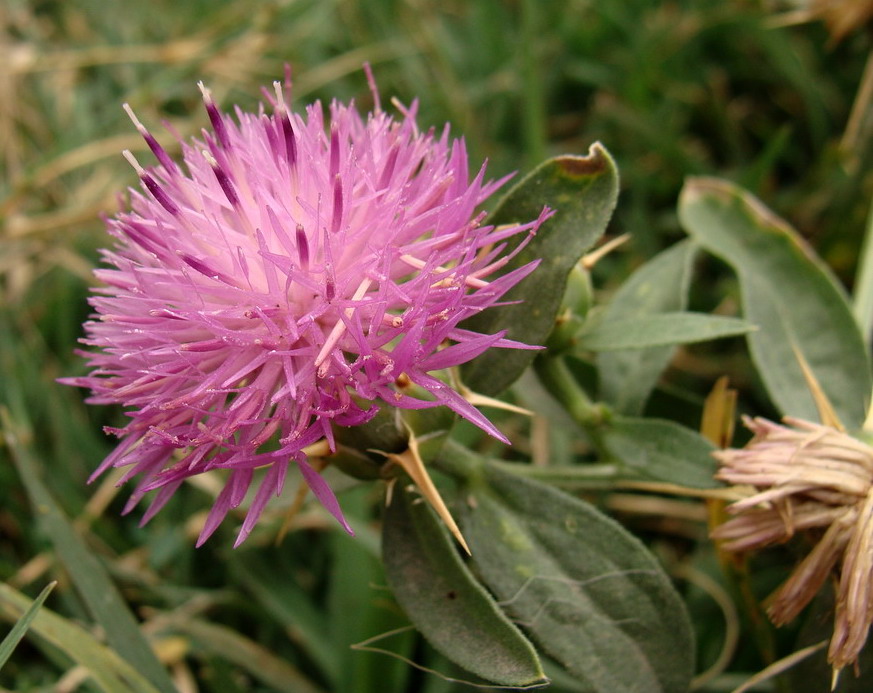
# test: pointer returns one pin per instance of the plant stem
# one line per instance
(583, 476)
(562, 385)
(462, 463)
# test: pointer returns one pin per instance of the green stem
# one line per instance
(462, 463)
(562, 385)
(458, 461)
(583, 476)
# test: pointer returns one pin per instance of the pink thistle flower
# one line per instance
(814, 479)
(289, 276)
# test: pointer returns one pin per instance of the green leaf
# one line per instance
(446, 603)
(10, 642)
(590, 594)
(87, 573)
(790, 294)
(659, 330)
(661, 450)
(110, 672)
(627, 378)
(583, 191)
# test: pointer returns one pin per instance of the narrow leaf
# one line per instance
(289, 605)
(590, 594)
(790, 294)
(661, 450)
(627, 378)
(10, 642)
(245, 653)
(87, 573)
(110, 672)
(446, 603)
(355, 588)
(663, 329)
(583, 192)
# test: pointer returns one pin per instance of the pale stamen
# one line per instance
(338, 330)
(470, 281)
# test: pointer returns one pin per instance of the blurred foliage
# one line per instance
(673, 88)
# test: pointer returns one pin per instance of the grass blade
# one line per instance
(87, 573)
(108, 670)
(230, 646)
(10, 642)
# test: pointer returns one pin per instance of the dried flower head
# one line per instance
(814, 479)
(289, 275)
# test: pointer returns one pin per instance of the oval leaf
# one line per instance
(582, 190)
(659, 330)
(627, 378)
(446, 603)
(589, 593)
(661, 450)
(790, 294)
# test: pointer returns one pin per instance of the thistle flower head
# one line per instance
(817, 480)
(291, 274)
